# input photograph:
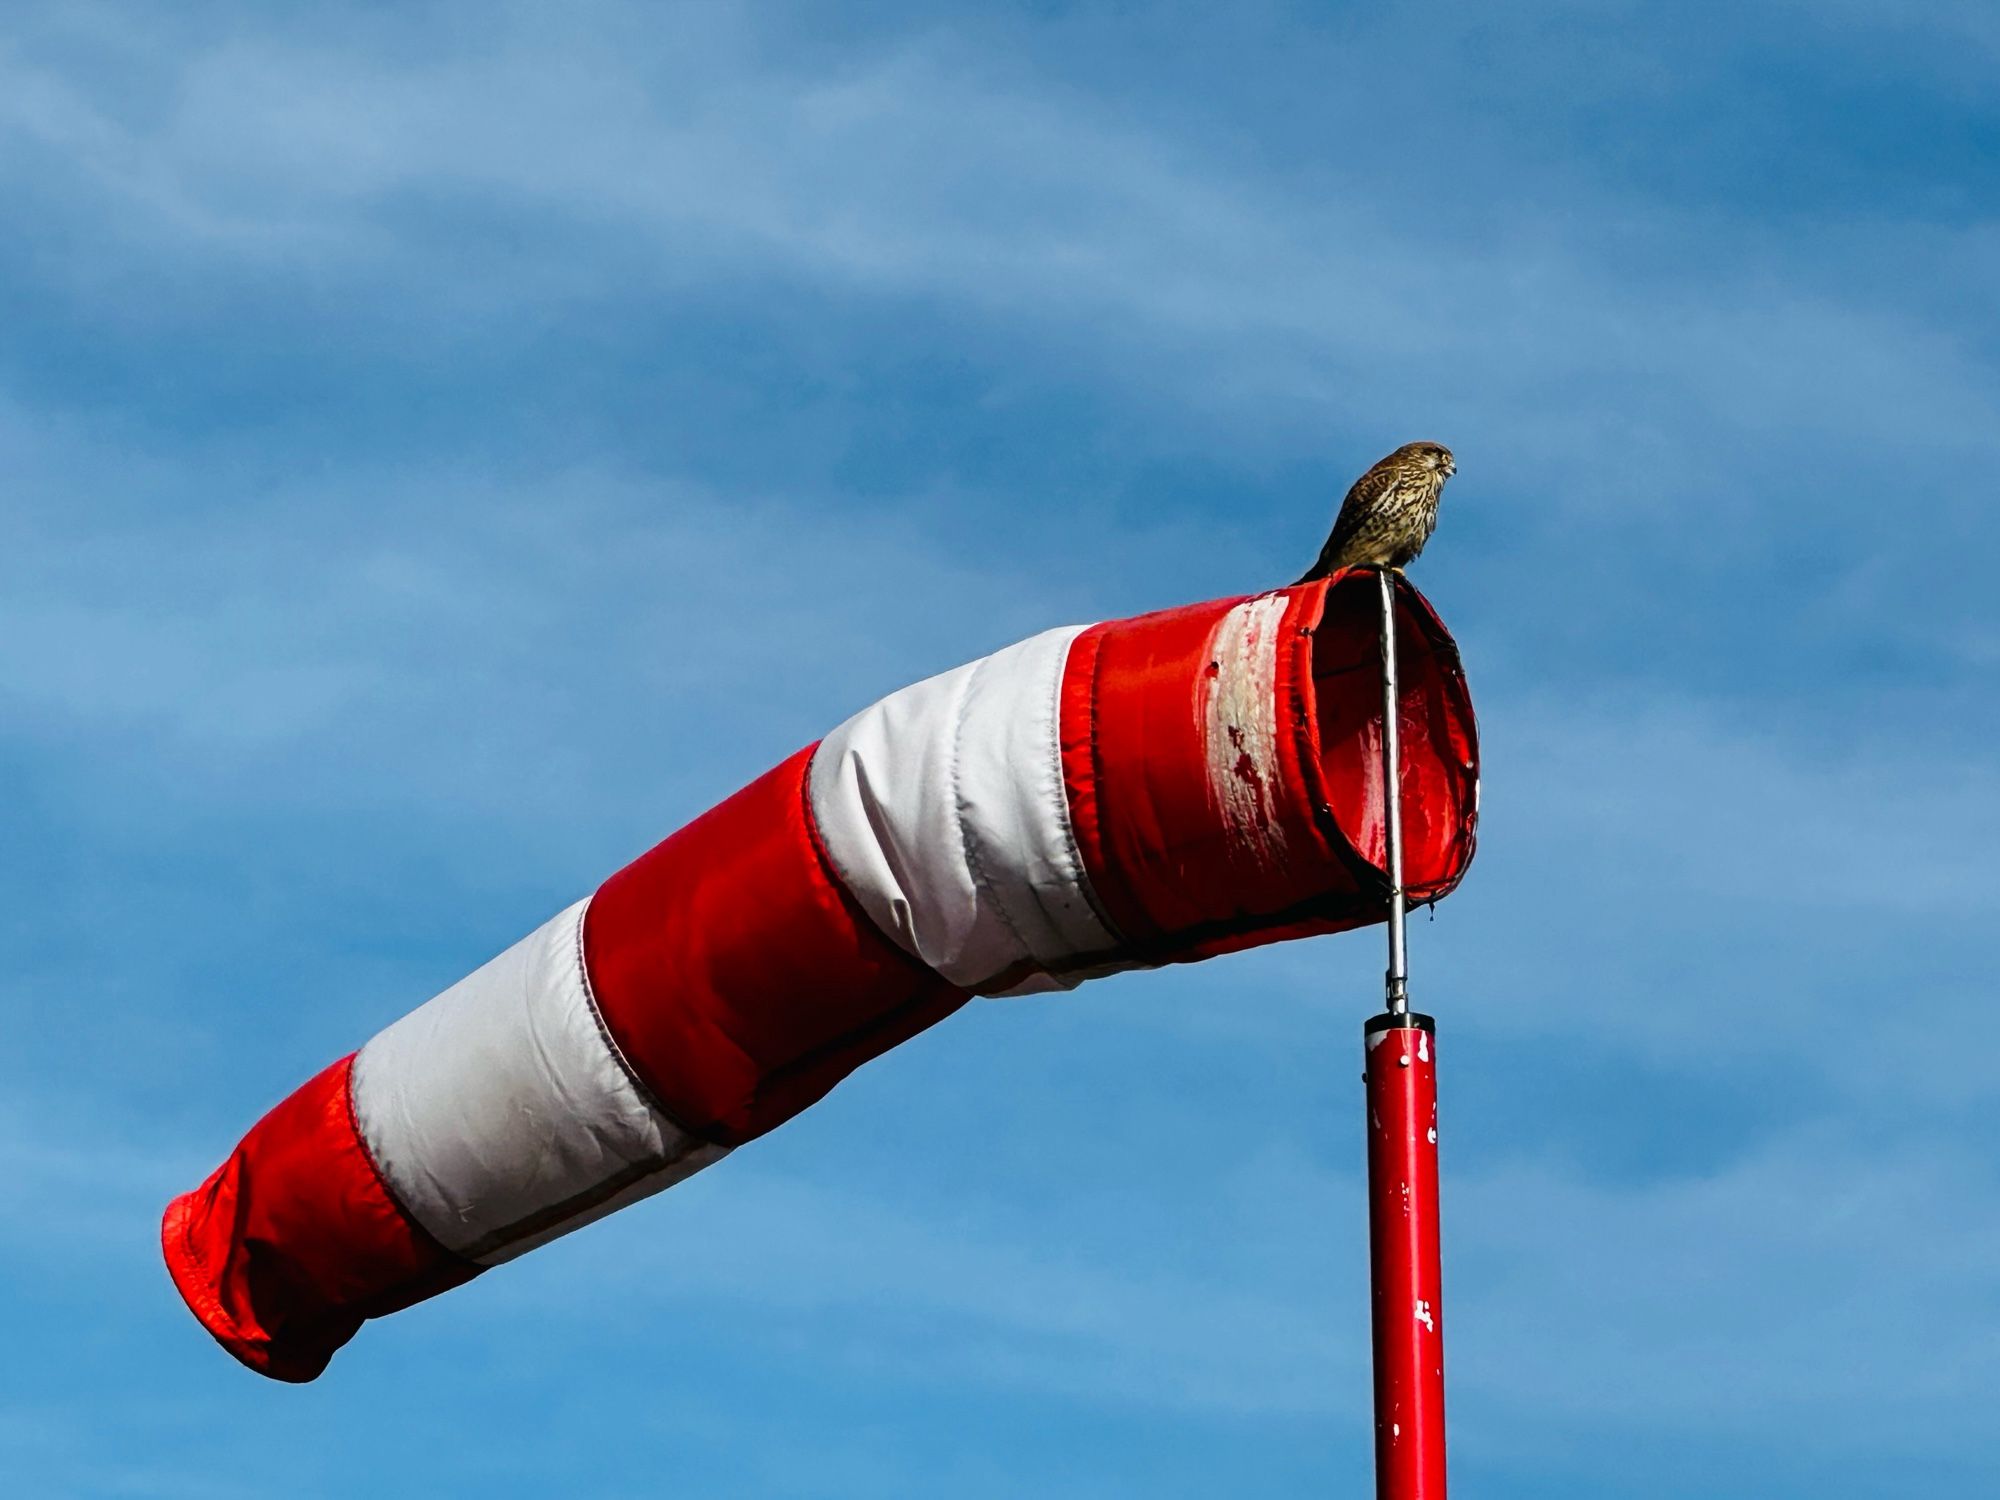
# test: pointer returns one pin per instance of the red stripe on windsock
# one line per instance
(738, 976)
(294, 1240)
(1219, 765)
(1171, 864)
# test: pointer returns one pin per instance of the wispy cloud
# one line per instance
(918, 173)
(1667, 802)
(423, 622)
(871, 1286)
(1669, 1333)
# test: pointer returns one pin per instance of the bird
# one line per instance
(1389, 514)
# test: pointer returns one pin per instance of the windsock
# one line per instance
(1097, 798)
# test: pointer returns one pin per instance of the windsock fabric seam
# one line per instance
(418, 1230)
(499, 1110)
(1057, 791)
(881, 1021)
(640, 1084)
(944, 815)
(574, 1210)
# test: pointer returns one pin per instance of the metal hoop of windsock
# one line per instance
(1140, 792)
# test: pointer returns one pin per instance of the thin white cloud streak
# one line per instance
(920, 1292)
(69, 1184)
(1661, 882)
(48, 1437)
(1671, 800)
(1946, 39)
(913, 173)
(1810, 1289)
(1733, 1305)
(459, 632)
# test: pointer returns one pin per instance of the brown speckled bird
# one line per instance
(1389, 514)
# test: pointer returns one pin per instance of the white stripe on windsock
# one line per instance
(500, 1113)
(942, 808)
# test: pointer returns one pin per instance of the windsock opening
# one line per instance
(1439, 738)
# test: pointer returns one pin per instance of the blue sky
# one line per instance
(443, 448)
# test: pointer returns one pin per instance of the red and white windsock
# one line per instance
(1097, 798)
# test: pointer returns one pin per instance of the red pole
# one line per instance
(1403, 1251)
(1401, 1074)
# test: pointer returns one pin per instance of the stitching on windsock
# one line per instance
(820, 847)
(633, 1171)
(1056, 789)
(1095, 747)
(818, 836)
(598, 1193)
(417, 1226)
(640, 1087)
